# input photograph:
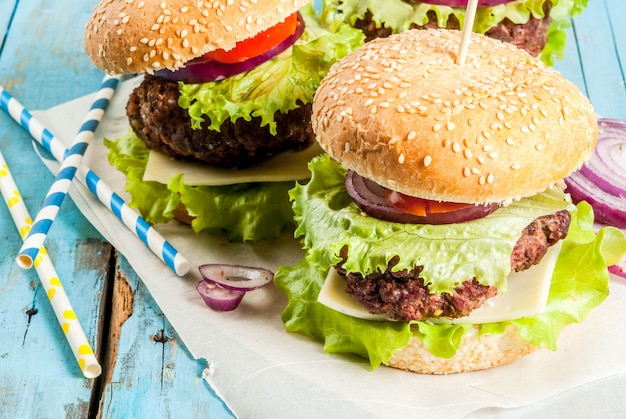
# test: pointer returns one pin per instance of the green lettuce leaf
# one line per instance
(579, 283)
(398, 15)
(279, 85)
(247, 212)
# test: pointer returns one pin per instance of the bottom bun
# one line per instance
(475, 353)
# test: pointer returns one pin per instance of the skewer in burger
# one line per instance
(228, 86)
(438, 237)
(536, 26)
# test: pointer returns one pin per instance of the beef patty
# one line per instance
(402, 295)
(530, 36)
(162, 125)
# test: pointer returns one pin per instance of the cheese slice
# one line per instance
(527, 295)
(286, 166)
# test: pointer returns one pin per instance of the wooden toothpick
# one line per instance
(470, 13)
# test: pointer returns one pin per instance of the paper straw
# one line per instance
(49, 279)
(468, 24)
(113, 202)
(63, 180)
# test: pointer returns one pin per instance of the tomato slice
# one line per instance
(258, 44)
(419, 206)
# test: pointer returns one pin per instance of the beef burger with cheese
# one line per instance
(438, 237)
(536, 26)
(227, 84)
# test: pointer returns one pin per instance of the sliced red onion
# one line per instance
(463, 3)
(602, 180)
(370, 197)
(223, 286)
(202, 70)
(219, 298)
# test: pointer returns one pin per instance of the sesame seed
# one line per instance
(412, 135)
(467, 172)
(456, 147)
(515, 166)
(467, 153)
(427, 160)
(540, 147)
(401, 159)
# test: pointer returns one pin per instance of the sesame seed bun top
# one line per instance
(503, 126)
(136, 36)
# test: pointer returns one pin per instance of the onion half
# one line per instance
(224, 286)
(202, 70)
(602, 180)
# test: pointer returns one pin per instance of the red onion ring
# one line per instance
(236, 277)
(463, 3)
(202, 70)
(370, 197)
(602, 180)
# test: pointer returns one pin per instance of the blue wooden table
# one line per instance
(147, 371)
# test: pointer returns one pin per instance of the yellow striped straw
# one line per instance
(49, 279)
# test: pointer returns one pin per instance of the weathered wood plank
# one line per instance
(151, 360)
(38, 374)
(148, 371)
(604, 80)
(6, 10)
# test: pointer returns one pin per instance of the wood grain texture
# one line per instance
(149, 372)
(597, 41)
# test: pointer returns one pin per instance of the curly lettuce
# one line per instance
(580, 281)
(246, 212)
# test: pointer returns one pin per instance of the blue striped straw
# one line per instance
(63, 180)
(113, 202)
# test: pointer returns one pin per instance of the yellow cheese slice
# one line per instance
(287, 166)
(527, 295)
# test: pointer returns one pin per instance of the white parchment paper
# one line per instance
(262, 371)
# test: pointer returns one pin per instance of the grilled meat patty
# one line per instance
(162, 125)
(402, 295)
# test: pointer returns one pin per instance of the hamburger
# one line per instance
(226, 88)
(437, 233)
(535, 26)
